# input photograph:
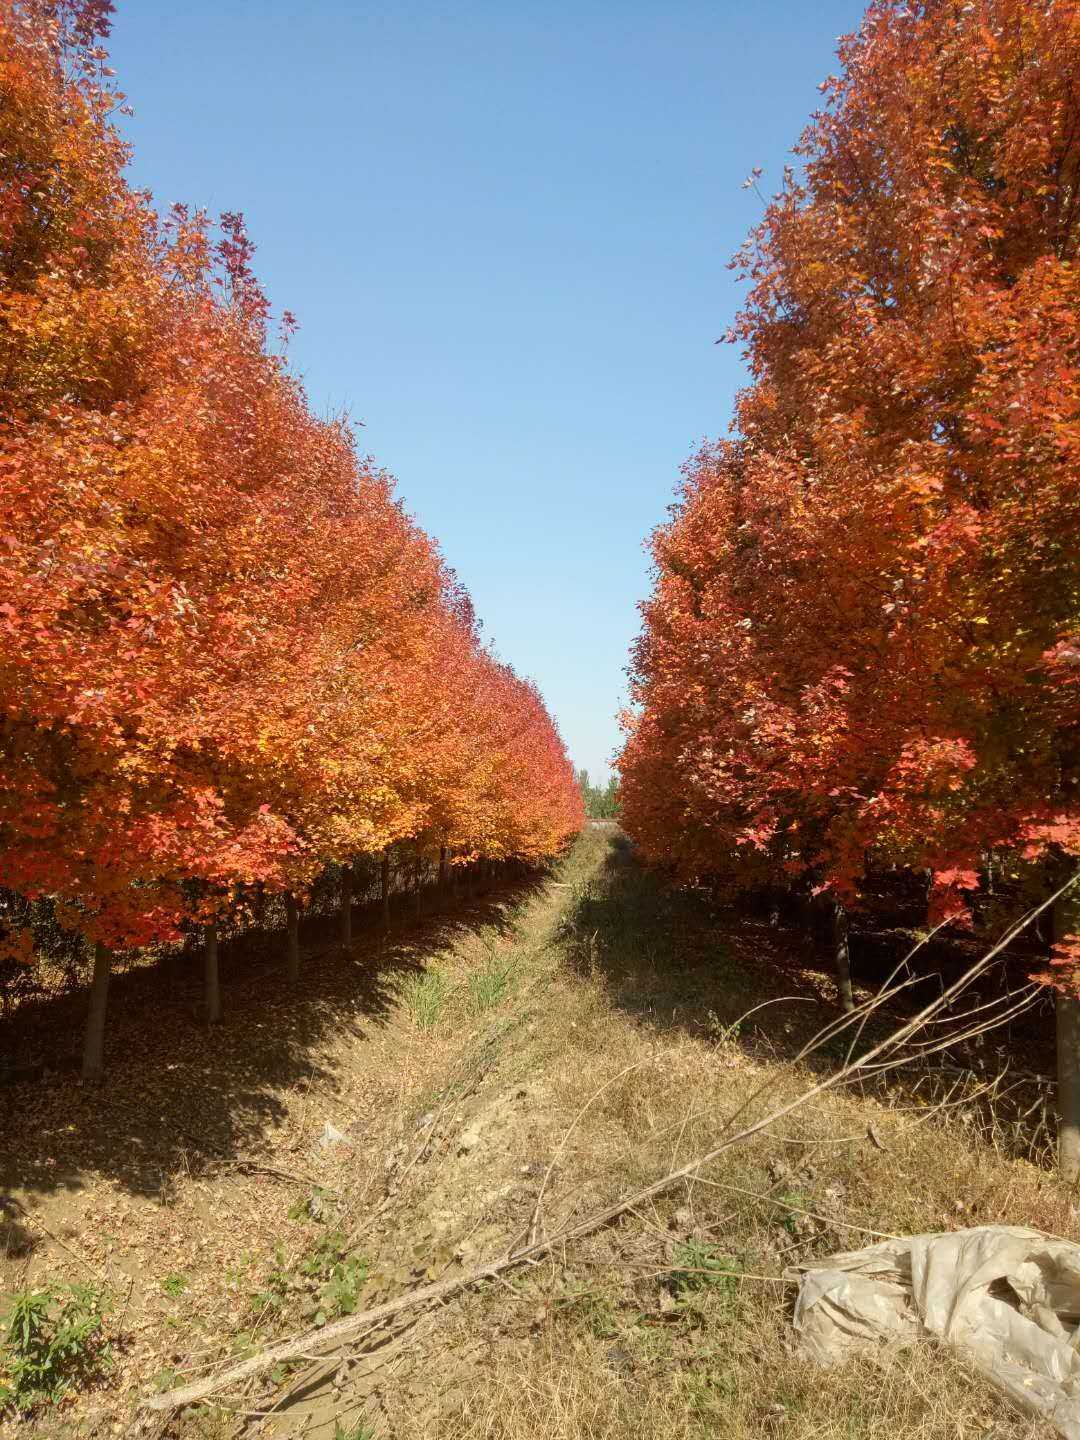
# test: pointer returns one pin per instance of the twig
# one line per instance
(256, 1167)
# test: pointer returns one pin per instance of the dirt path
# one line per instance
(567, 1044)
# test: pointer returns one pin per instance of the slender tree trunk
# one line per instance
(842, 957)
(259, 906)
(417, 886)
(292, 920)
(213, 983)
(93, 1062)
(346, 904)
(1066, 923)
(442, 867)
(384, 883)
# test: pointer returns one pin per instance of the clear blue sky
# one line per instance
(504, 228)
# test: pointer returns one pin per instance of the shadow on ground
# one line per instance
(180, 1094)
(674, 959)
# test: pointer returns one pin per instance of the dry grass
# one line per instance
(602, 1341)
(585, 1041)
(727, 1384)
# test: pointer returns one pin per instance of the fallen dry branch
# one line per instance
(328, 1336)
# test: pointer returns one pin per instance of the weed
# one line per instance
(719, 1033)
(315, 1206)
(331, 1279)
(595, 1309)
(280, 1373)
(799, 1202)
(339, 1278)
(360, 1431)
(53, 1339)
(699, 1266)
(175, 1284)
(341, 1293)
(425, 996)
(234, 1274)
(710, 1392)
(488, 986)
(278, 1285)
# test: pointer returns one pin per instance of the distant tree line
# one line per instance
(601, 801)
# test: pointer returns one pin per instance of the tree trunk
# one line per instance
(93, 1062)
(1067, 922)
(442, 867)
(346, 904)
(213, 984)
(384, 880)
(842, 957)
(417, 886)
(292, 920)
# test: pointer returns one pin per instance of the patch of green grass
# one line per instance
(425, 997)
(53, 1339)
(175, 1284)
(488, 986)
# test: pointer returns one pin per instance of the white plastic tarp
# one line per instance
(1005, 1297)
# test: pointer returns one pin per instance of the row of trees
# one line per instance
(863, 644)
(230, 658)
(601, 802)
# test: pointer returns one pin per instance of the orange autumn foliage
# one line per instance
(864, 637)
(229, 656)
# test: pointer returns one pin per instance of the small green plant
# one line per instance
(699, 1266)
(341, 1293)
(799, 1202)
(234, 1274)
(53, 1339)
(594, 1308)
(280, 1373)
(275, 1292)
(719, 1033)
(315, 1206)
(425, 995)
(360, 1431)
(711, 1392)
(174, 1284)
(340, 1277)
(488, 986)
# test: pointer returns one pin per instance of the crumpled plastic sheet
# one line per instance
(1006, 1298)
